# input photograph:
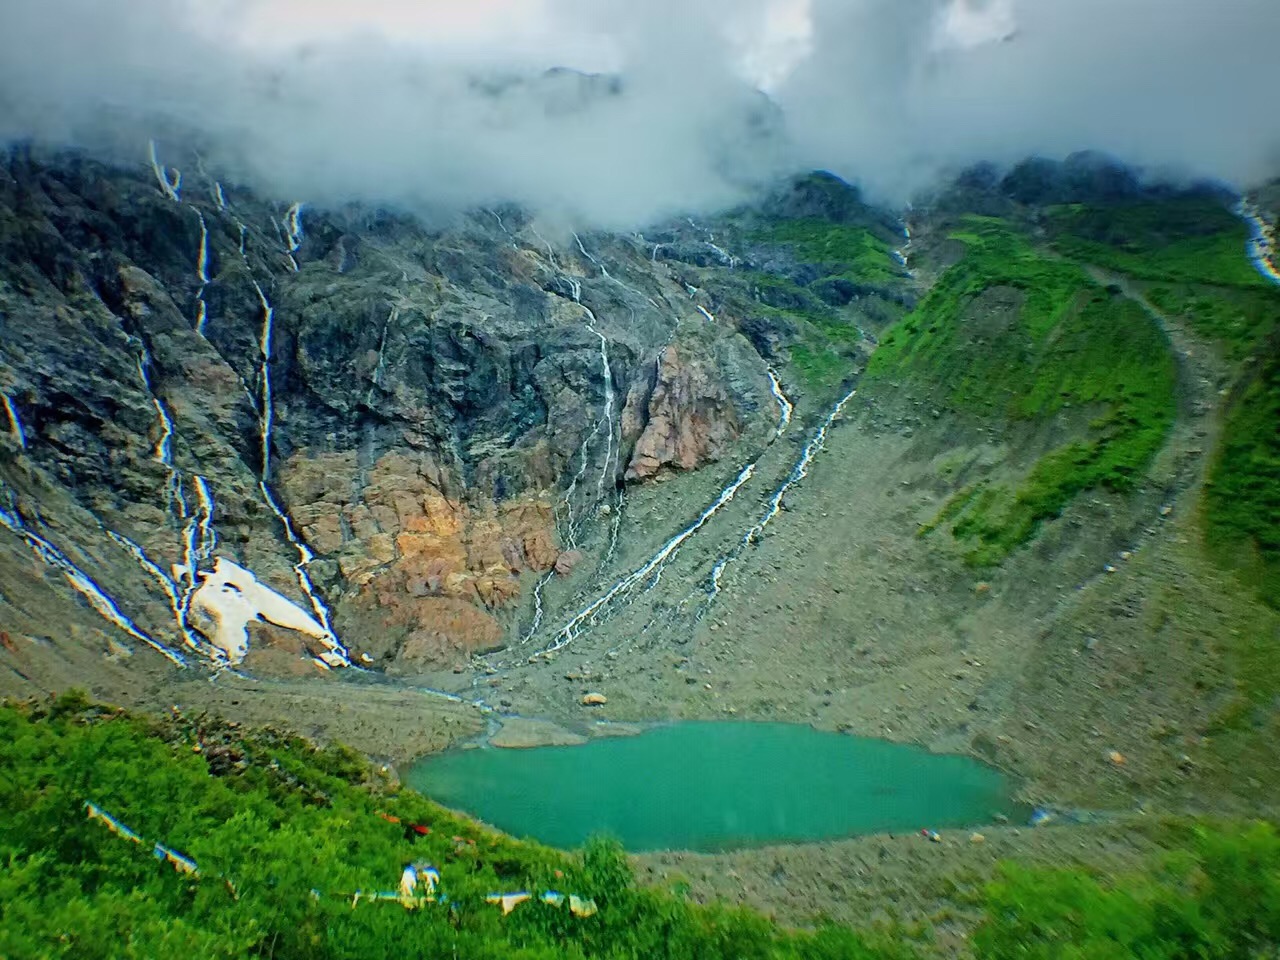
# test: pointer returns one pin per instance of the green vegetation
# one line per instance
(1050, 344)
(851, 253)
(820, 366)
(1194, 240)
(850, 261)
(824, 356)
(270, 819)
(1195, 249)
(1218, 897)
(1242, 502)
(278, 819)
(1236, 317)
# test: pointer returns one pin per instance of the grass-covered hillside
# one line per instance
(819, 269)
(284, 834)
(1022, 334)
(1188, 253)
(1015, 335)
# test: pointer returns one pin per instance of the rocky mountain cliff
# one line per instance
(399, 429)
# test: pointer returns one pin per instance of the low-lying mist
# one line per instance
(887, 93)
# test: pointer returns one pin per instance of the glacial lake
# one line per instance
(715, 786)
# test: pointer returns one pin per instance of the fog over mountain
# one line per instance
(885, 92)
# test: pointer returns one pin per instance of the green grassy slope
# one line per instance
(1192, 252)
(850, 278)
(1242, 502)
(1072, 345)
(1078, 346)
(280, 820)
(849, 252)
(1186, 239)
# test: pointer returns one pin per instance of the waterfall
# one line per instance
(785, 407)
(1261, 246)
(305, 556)
(163, 451)
(652, 567)
(293, 234)
(798, 472)
(15, 422)
(176, 598)
(101, 602)
(170, 188)
(202, 273)
(537, 605)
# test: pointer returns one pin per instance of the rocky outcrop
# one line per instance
(431, 566)
(431, 396)
(684, 419)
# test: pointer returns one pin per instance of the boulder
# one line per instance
(689, 418)
(566, 562)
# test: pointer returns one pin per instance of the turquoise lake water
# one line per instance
(715, 786)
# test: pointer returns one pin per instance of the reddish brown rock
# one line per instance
(418, 557)
(447, 630)
(689, 418)
(567, 561)
(540, 549)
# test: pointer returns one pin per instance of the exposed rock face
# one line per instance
(688, 417)
(430, 569)
(431, 395)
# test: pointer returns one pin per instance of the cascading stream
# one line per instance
(337, 653)
(170, 188)
(392, 317)
(305, 556)
(163, 451)
(293, 234)
(538, 610)
(651, 570)
(202, 273)
(1261, 245)
(798, 472)
(503, 227)
(102, 603)
(726, 258)
(266, 407)
(198, 536)
(615, 526)
(785, 407)
(606, 421)
(610, 454)
(903, 253)
(598, 608)
(178, 599)
(15, 422)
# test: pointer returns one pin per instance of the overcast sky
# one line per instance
(371, 100)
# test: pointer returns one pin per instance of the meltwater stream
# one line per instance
(715, 786)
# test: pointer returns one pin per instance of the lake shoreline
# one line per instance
(736, 784)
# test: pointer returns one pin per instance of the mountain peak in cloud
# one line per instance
(665, 117)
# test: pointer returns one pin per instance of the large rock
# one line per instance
(689, 418)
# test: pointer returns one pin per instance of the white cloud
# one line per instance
(1183, 85)
(383, 108)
